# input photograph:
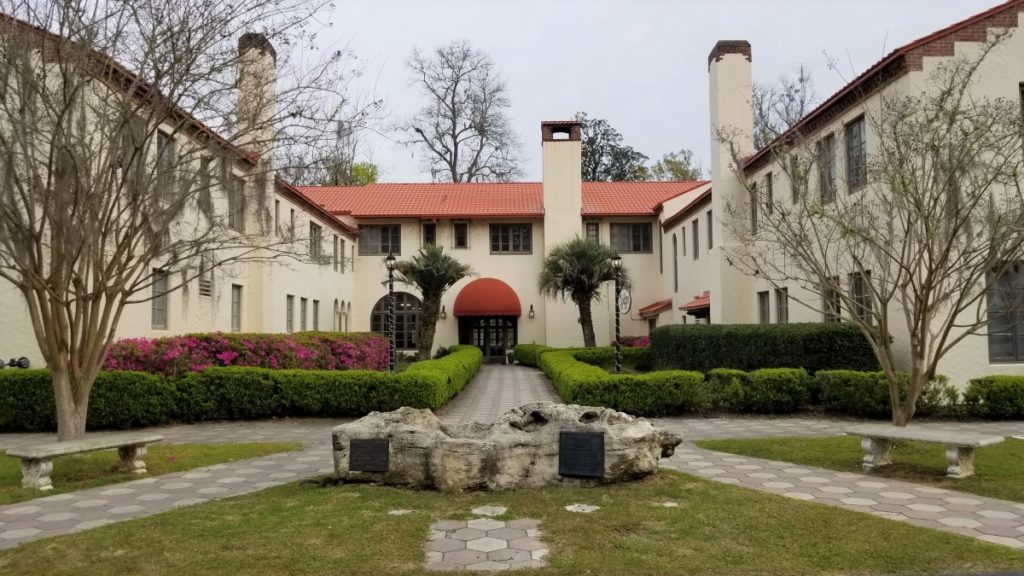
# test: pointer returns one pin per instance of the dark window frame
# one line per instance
(782, 305)
(1005, 313)
(856, 144)
(764, 307)
(511, 238)
(638, 237)
(369, 246)
(460, 229)
(408, 313)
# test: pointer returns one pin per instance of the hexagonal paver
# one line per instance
(963, 501)
(488, 566)
(212, 490)
(872, 484)
(747, 467)
(152, 497)
(485, 524)
(777, 485)
(180, 485)
(118, 491)
(897, 495)
(524, 523)
(90, 503)
(1011, 542)
(762, 475)
(230, 480)
(465, 557)
(799, 495)
(926, 507)
(835, 489)
(399, 512)
(858, 501)
(21, 533)
(1000, 514)
(57, 517)
(507, 533)
(539, 553)
(467, 534)
(90, 524)
(526, 544)
(490, 510)
(130, 509)
(22, 510)
(509, 555)
(487, 544)
(582, 508)
(445, 545)
(814, 480)
(960, 522)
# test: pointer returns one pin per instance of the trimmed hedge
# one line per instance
(997, 397)
(767, 391)
(529, 354)
(132, 399)
(813, 347)
(637, 357)
(866, 394)
(652, 394)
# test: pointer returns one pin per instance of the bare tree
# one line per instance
(779, 106)
(911, 242)
(125, 128)
(463, 130)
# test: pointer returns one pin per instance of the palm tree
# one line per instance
(576, 270)
(432, 272)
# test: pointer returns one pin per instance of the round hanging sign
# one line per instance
(625, 301)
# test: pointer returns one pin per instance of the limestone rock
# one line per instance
(519, 450)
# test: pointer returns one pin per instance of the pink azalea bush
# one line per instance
(638, 341)
(195, 352)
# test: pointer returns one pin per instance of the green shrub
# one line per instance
(814, 347)
(131, 399)
(529, 354)
(652, 394)
(604, 357)
(866, 394)
(725, 388)
(775, 391)
(999, 397)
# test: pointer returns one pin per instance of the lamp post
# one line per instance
(389, 262)
(617, 269)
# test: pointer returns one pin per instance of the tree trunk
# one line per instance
(71, 414)
(587, 323)
(428, 327)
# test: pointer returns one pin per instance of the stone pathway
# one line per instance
(496, 389)
(485, 544)
(988, 519)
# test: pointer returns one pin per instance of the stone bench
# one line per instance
(37, 459)
(877, 441)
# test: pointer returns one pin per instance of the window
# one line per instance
(165, 156)
(827, 168)
(696, 239)
(711, 237)
(289, 318)
(832, 305)
(460, 234)
(754, 201)
(511, 238)
(236, 204)
(341, 255)
(632, 238)
(652, 323)
(1006, 314)
(675, 264)
(277, 217)
(661, 252)
(291, 225)
(236, 308)
(407, 319)
(860, 293)
(593, 231)
(380, 240)
(334, 254)
(764, 314)
(429, 234)
(682, 240)
(856, 155)
(302, 314)
(205, 276)
(159, 302)
(782, 305)
(316, 248)
(769, 194)
(316, 315)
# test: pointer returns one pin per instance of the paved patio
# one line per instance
(495, 390)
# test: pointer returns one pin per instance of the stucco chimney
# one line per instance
(732, 129)
(257, 94)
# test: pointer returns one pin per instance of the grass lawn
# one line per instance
(79, 471)
(999, 469)
(717, 529)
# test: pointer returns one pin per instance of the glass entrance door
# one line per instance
(491, 334)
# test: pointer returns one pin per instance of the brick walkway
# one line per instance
(496, 390)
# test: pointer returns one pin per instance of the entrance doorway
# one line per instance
(491, 334)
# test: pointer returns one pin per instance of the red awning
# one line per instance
(702, 301)
(656, 308)
(487, 297)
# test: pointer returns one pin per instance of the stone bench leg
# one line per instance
(877, 452)
(36, 474)
(132, 459)
(961, 461)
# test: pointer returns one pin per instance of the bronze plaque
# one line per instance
(368, 454)
(581, 454)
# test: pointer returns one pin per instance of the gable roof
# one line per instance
(908, 57)
(490, 199)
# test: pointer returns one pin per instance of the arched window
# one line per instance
(336, 319)
(348, 315)
(342, 320)
(407, 319)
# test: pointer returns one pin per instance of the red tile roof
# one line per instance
(656, 308)
(898, 62)
(489, 199)
(702, 301)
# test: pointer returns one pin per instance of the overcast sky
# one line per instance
(640, 64)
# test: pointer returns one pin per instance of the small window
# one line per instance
(460, 235)
(289, 318)
(159, 301)
(827, 168)
(380, 240)
(769, 194)
(206, 276)
(316, 315)
(334, 254)
(1006, 313)
(303, 305)
(682, 240)
(832, 304)
(675, 264)
(291, 225)
(236, 308)
(633, 238)
(511, 238)
(782, 305)
(696, 238)
(856, 155)
(236, 204)
(593, 231)
(764, 313)
(277, 217)
(316, 248)
(711, 236)
(860, 294)
(754, 201)
(429, 234)
(341, 262)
